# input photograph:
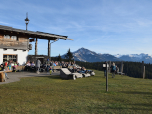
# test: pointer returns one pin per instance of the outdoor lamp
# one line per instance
(26, 20)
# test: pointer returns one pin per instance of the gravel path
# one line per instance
(15, 76)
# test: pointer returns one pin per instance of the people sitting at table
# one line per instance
(73, 67)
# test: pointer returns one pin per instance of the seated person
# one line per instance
(17, 63)
(9, 66)
(67, 65)
(74, 69)
(14, 67)
(83, 70)
(63, 65)
(28, 64)
(54, 64)
(1, 67)
(32, 64)
(32, 67)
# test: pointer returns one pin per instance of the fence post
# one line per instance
(106, 76)
(121, 68)
(144, 72)
(142, 69)
(109, 66)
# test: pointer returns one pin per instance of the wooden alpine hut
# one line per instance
(14, 43)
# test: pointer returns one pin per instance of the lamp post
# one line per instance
(26, 20)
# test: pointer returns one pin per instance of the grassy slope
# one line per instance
(87, 95)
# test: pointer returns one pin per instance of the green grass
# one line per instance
(51, 95)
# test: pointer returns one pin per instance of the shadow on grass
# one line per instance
(132, 108)
(45, 75)
(51, 77)
(143, 104)
(136, 92)
(127, 108)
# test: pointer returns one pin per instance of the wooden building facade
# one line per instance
(14, 43)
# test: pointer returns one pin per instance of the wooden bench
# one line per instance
(57, 67)
(66, 74)
(20, 68)
(71, 67)
(120, 73)
(2, 75)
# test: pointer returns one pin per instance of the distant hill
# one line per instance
(86, 55)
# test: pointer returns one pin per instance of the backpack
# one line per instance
(113, 68)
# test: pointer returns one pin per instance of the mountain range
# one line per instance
(86, 55)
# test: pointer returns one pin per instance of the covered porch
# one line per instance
(30, 36)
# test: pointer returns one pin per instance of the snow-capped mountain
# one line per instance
(135, 57)
(86, 55)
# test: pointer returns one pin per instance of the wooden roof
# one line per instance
(30, 34)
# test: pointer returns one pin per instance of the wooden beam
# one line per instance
(36, 47)
(49, 48)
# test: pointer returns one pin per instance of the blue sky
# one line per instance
(103, 26)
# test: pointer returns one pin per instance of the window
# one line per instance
(6, 37)
(7, 57)
(10, 37)
(14, 37)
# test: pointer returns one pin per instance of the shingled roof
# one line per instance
(31, 34)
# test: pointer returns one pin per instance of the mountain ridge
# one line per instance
(87, 55)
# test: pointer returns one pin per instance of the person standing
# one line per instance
(117, 69)
(47, 65)
(38, 63)
(113, 70)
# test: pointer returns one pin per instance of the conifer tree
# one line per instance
(59, 58)
(69, 55)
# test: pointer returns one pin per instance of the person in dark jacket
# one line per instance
(47, 65)
(113, 70)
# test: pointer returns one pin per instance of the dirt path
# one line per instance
(15, 76)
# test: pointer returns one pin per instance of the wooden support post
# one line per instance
(50, 51)
(36, 47)
(106, 76)
(48, 48)
(2, 76)
(109, 66)
(121, 68)
(144, 73)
